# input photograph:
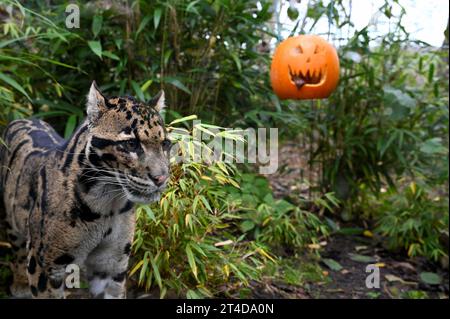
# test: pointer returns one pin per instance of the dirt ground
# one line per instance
(399, 275)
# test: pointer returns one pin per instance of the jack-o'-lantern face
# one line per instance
(304, 67)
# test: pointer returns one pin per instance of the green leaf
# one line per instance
(183, 119)
(178, 84)
(146, 85)
(205, 202)
(385, 146)
(420, 64)
(216, 5)
(70, 126)
(163, 292)
(361, 258)
(194, 204)
(238, 273)
(431, 73)
(156, 272)
(197, 248)
(332, 264)
(436, 89)
(247, 225)
(143, 24)
(96, 47)
(332, 224)
(14, 84)
(292, 13)
(144, 267)
(167, 55)
(97, 25)
(149, 212)
(191, 7)
(268, 199)
(398, 104)
(373, 294)
(191, 260)
(430, 278)
(350, 231)
(137, 90)
(157, 17)
(433, 146)
(282, 206)
(118, 43)
(110, 55)
(237, 61)
(191, 294)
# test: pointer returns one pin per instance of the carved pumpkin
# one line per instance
(304, 67)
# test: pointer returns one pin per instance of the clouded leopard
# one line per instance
(71, 202)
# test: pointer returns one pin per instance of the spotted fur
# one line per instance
(71, 202)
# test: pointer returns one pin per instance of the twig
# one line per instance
(5, 244)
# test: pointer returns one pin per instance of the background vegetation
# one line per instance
(379, 145)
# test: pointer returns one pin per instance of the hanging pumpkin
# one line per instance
(304, 67)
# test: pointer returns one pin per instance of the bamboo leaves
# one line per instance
(96, 47)
(175, 245)
(7, 79)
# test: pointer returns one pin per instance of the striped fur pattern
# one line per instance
(72, 202)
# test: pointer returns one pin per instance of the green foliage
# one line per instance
(430, 278)
(414, 220)
(271, 221)
(208, 234)
(415, 294)
(373, 294)
(386, 123)
(297, 271)
(190, 243)
(134, 47)
(187, 243)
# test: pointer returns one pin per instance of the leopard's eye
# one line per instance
(131, 144)
(166, 144)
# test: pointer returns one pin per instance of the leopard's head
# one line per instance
(128, 142)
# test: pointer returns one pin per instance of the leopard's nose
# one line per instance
(159, 179)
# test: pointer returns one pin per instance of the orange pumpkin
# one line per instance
(304, 67)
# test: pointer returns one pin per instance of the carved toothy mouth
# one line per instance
(300, 79)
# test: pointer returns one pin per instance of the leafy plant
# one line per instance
(174, 45)
(187, 243)
(415, 294)
(385, 125)
(297, 271)
(414, 220)
(272, 221)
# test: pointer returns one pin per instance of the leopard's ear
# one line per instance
(158, 102)
(96, 103)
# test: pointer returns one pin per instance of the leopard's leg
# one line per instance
(107, 264)
(106, 268)
(46, 277)
(19, 287)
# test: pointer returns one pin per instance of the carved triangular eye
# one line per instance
(300, 49)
